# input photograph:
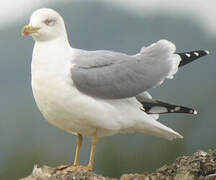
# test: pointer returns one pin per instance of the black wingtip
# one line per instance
(159, 107)
(188, 57)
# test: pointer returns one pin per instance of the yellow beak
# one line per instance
(29, 29)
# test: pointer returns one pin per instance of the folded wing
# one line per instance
(113, 75)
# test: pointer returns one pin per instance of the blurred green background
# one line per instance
(27, 139)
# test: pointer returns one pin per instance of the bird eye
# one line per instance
(49, 22)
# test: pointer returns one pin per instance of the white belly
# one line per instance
(64, 106)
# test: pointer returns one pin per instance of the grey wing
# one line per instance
(112, 75)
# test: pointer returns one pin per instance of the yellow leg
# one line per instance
(92, 154)
(78, 148)
(76, 166)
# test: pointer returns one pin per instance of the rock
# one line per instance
(200, 166)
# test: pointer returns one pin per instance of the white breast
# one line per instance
(61, 103)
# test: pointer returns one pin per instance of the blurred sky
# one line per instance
(121, 25)
(199, 10)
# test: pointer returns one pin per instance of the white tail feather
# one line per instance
(155, 128)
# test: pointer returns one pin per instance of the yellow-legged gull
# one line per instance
(99, 93)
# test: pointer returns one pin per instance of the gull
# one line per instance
(100, 93)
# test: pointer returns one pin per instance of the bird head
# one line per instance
(45, 25)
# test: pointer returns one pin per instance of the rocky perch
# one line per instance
(200, 166)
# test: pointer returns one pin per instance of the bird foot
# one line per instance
(73, 168)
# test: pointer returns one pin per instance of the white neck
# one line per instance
(57, 46)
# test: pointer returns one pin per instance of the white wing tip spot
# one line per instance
(196, 53)
(142, 108)
(177, 108)
(207, 52)
(195, 112)
(188, 55)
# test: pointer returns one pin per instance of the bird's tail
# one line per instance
(155, 128)
(188, 57)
